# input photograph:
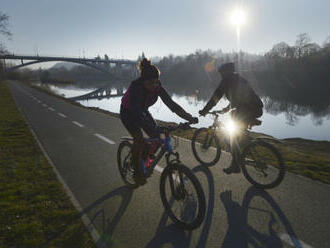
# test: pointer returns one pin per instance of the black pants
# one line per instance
(135, 127)
(245, 115)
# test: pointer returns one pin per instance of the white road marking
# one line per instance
(51, 109)
(45, 105)
(158, 168)
(62, 115)
(293, 241)
(104, 139)
(78, 124)
(87, 222)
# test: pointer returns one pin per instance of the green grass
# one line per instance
(304, 157)
(34, 208)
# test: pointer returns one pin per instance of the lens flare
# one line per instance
(231, 127)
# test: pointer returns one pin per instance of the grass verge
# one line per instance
(35, 210)
(304, 157)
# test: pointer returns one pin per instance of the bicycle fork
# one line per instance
(177, 186)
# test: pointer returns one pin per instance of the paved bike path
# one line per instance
(83, 146)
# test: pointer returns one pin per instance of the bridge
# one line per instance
(99, 94)
(97, 63)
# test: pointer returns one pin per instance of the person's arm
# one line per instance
(226, 109)
(173, 106)
(218, 93)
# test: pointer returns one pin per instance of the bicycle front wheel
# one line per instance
(206, 146)
(262, 165)
(182, 196)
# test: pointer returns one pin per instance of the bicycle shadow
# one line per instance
(178, 238)
(108, 225)
(240, 234)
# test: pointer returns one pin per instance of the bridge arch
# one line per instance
(50, 60)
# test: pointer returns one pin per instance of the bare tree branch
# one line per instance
(4, 25)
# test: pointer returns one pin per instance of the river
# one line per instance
(277, 125)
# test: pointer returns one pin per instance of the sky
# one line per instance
(125, 28)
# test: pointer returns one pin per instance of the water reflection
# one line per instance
(281, 118)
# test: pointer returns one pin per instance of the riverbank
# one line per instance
(35, 209)
(304, 157)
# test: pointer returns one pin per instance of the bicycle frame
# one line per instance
(229, 140)
(166, 149)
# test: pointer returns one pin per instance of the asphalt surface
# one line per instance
(82, 144)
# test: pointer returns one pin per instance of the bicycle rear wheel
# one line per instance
(182, 196)
(206, 146)
(125, 165)
(262, 165)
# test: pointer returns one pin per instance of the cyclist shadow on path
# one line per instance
(107, 225)
(240, 234)
(178, 238)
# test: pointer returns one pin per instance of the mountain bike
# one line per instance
(261, 162)
(181, 192)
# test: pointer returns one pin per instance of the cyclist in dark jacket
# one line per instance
(134, 114)
(245, 102)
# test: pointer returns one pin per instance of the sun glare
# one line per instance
(238, 17)
(231, 127)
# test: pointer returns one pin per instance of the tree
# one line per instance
(326, 43)
(4, 30)
(281, 50)
(302, 43)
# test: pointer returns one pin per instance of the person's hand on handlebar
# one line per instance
(193, 120)
(202, 112)
(224, 110)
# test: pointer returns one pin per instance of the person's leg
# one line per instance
(150, 127)
(239, 116)
(138, 143)
(243, 116)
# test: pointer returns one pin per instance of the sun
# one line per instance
(238, 17)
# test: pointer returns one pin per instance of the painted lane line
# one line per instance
(62, 115)
(51, 109)
(158, 168)
(78, 124)
(45, 105)
(293, 241)
(104, 138)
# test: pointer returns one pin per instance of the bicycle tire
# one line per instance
(194, 142)
(197, 221)
(281, 165)
(121, 166)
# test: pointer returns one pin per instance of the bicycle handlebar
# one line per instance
(216, 112)
(222, 111)
(168, 129)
